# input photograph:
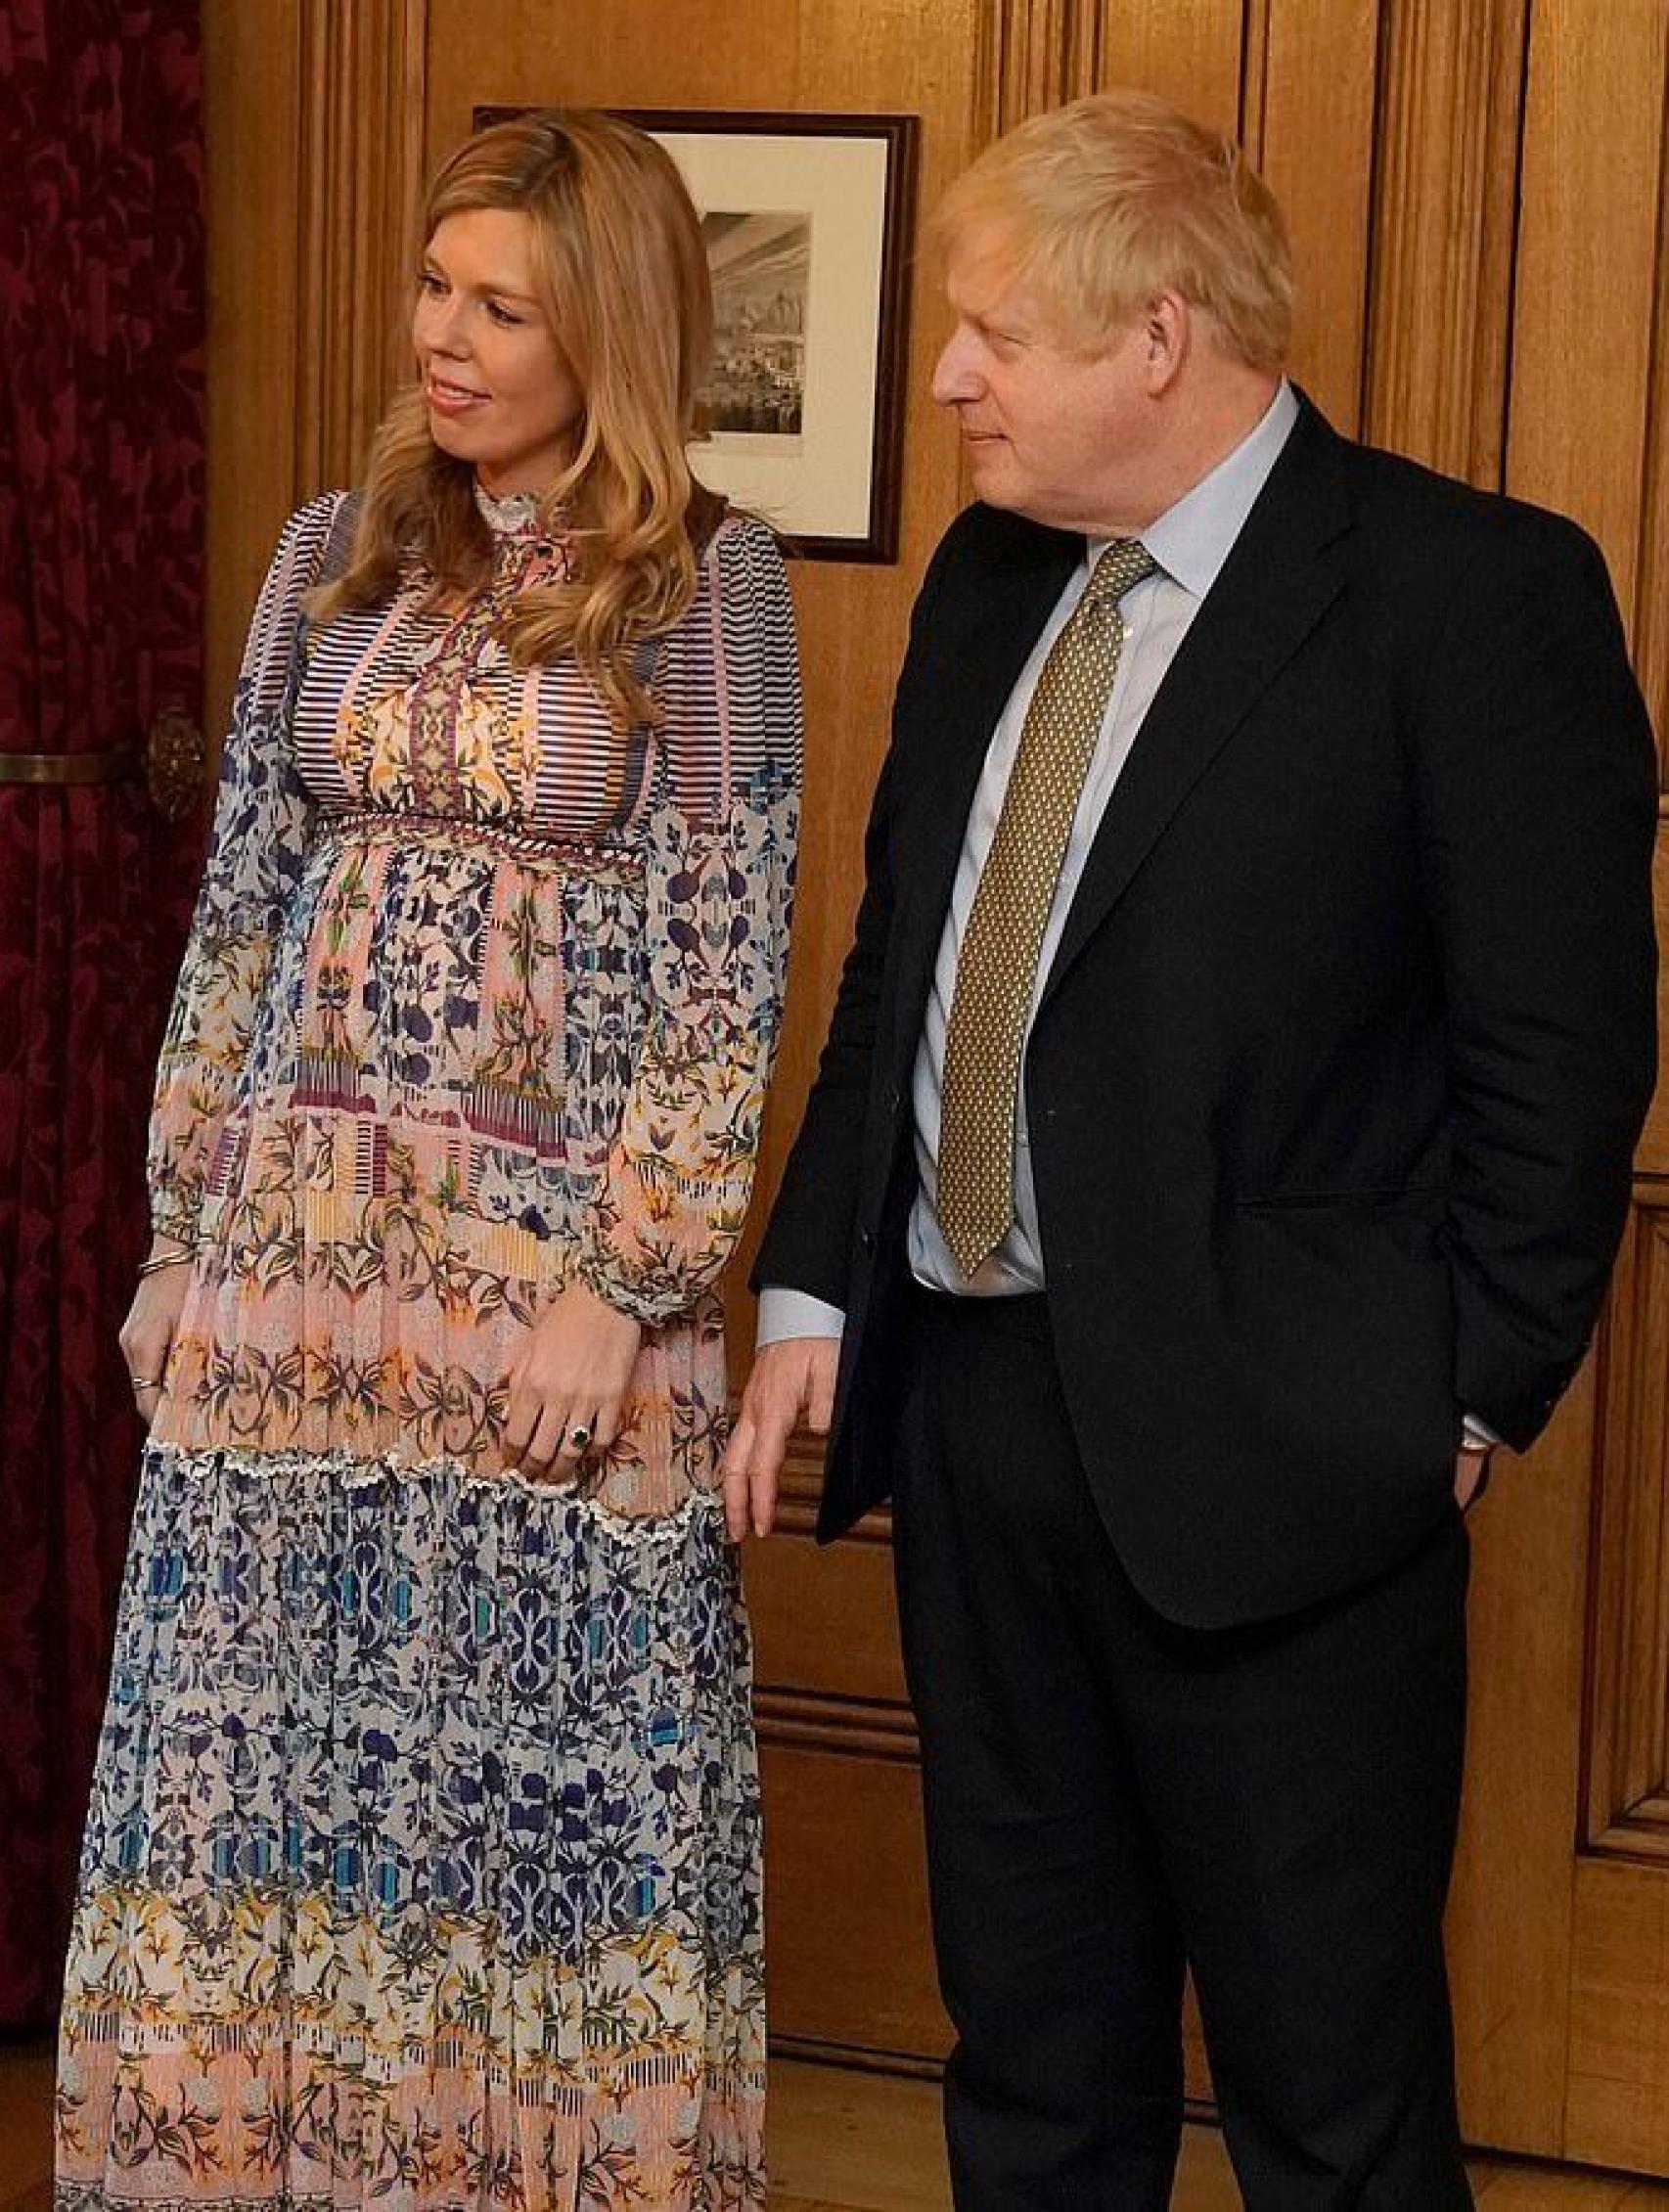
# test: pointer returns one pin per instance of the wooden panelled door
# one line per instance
(1475, 190)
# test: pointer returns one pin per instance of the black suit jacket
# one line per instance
(1336, 1080)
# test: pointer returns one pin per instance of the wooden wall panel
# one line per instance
(1032, 54)
(1650, 612)
(364, 64)
(1587, 268)
(824, 1619)
(1618, 2101)
(1510, 1916)
(1445, 210)
(1628, 1758)
(845, 1902)
(1311, 78)
(313, 119)
(1653, 1154)
(1188, 51)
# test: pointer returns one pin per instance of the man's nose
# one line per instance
(954, 378)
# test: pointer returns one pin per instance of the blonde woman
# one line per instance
(422, 1862)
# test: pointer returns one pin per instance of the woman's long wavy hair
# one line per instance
(622, 277)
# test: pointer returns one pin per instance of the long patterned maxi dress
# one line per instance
(422, 1870)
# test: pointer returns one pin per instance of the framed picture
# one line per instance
(807, 220)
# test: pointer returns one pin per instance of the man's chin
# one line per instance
(993, 482)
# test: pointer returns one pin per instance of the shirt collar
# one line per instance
(1192, 540)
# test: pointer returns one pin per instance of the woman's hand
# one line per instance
(146, 1335)
(568, 1388)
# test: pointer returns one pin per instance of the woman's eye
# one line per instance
(501, 314)
(428, 282)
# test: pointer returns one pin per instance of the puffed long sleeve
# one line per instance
(262, 823)
(719, 855)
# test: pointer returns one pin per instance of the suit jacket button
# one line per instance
(865, 1238)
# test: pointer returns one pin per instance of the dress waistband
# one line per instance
(378, 825)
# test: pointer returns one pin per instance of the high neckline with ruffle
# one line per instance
(515, 514)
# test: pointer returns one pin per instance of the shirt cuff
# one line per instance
(1478, 1433)
(785, 1313)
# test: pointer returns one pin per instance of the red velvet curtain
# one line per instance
(101, 500)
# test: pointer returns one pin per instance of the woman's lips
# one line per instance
(452, 399)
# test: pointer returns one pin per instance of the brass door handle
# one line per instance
(174, 761)
(171, 762)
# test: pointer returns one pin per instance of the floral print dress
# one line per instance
(422, 1864)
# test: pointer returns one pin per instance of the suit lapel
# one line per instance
(1284, 571)
(982, 642)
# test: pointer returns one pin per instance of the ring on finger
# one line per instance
(580, 1435)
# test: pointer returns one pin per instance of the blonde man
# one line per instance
(1224, 1132)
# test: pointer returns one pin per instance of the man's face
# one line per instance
(1053, 430)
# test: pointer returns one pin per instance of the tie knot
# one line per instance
(1119, 570)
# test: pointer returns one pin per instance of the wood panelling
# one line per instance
(824, 1619)
(1510, 1913)
(1188, 51)
(1312, 134)
(850, 1959)
(1587, 268)
(1650, 627)
(1033, 54)
(1618, 2107)
(363, 64)
(1589, 394)
(313, 116)
(1445, 204)
(1653, 1152)
(1628, 1782)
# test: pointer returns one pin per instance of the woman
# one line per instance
(422, 1862)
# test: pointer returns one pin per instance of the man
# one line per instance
(1223, 1134)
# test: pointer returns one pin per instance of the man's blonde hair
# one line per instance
(1103, 205)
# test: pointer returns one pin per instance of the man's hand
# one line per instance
(1471, 1464)
(791, 1387)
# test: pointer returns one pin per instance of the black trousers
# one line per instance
(1109, 1795)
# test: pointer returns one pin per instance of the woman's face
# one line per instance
(501, 392)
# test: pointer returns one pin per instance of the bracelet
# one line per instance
(159, 1260)
(1477, 1445)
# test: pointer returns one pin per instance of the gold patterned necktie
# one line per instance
(996, 971)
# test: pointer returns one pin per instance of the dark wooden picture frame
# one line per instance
(880, 233)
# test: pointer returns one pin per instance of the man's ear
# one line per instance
(1166, 335)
